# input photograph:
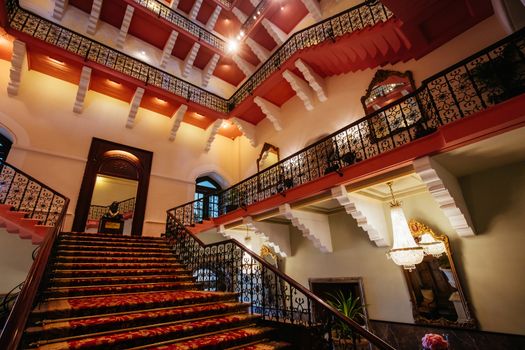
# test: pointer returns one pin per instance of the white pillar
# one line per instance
(124, 27)
(94, 16)
(168, 48)
(83, 85)
(134, 108)
(190, 58)
(208, 70)
(17, 62)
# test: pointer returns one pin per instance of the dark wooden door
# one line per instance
(113, 159)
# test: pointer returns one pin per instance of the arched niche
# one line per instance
(113, 159)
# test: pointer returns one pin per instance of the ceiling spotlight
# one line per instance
(233, 45)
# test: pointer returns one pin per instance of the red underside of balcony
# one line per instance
(498, 119)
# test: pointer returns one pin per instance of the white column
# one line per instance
(174, 4)
(445, 189)
(314, 226)
(208, 70)
(211, 134)
(315, 81)
(247, 129)
(210, 25)
(246, 67)
(83, 85)
(241, 16)
(168, 48)
(195, 9)
(59, 9)
(271, 111)
(314, 8)
(134, 108)
(124, 27)
(190, 58)
(255, 3)
(94, 16)
(177, 120)
(275, 32)
(301, 88)
(17, 62)
(260, 51)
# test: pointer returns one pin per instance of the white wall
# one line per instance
(490, 265)
(15, 260)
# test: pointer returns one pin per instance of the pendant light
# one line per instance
(405, 251)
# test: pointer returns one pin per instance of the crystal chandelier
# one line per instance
(405, 251)
(431, 246)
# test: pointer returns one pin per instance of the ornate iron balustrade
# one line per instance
(30, 194)
(486, 78)
(229, 266)
(26, 194)
(366, 14)
(252, 18)
(125, 206)
(182, 22)
(54, 34)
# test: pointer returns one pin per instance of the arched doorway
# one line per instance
(113, 160)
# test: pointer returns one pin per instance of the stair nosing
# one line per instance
(122, 330)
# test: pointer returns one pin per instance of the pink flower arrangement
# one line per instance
(433, 341)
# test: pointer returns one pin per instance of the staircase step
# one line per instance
(109, 242)
(96, 305)
(217, 340)
(69, 252)
(61, 292)
(49, 329)
(114, 259)
(56, 282)
(115, 265)
(264, 345)
(84, 235)
(116, 272)
(145, 335)
(112, 248)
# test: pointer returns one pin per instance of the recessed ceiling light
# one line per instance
(112, 82)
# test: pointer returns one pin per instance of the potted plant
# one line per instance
(352, 308)
(500, 77)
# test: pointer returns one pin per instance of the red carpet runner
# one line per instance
(117, 292)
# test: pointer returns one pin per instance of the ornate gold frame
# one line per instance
(418, 229)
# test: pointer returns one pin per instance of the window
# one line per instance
(5, 146)
(207, 205)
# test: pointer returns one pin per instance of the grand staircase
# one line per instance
(116, 292)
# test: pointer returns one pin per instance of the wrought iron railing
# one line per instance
(7, 303)
(229, 266)
(54, 34)
(30, 191)
(182, 22)
(366, 14)
(486, 78)
(124, 207)
(26, 194)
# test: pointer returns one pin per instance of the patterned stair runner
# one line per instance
(116, 292)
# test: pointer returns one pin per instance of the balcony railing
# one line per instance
(26, 194)
(486, 78)
(125, 207)
(366, 14)
(230, 266)
(182, 22)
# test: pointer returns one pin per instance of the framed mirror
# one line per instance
(386, 87)
(269, 156)
(435, 289)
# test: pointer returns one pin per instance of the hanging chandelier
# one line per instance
(405, 251)
(431, 246)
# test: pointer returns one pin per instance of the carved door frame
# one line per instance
(100, 153)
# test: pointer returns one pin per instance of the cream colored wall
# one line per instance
(344, 92)
(15, 260)
(354, 256)
(490, 264)
(109, 189)
(52, 143)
